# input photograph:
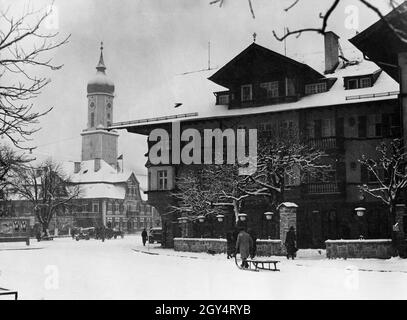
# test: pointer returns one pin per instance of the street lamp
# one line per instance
(269, 216)
(182, 220)
(201, 218)
(360, 211)
(220, 217)
(242, 216)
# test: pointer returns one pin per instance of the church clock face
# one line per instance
(92, 105)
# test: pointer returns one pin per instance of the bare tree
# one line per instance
(209, 191)
(388, 174)
(11, 163)
(25, 49)
(282, 157)
(398, 30)
(47, 188)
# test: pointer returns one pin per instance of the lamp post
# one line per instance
(220, 218)
(201, 219)
(182, 221)
(360, 212)
(243, 219)
(269, 216)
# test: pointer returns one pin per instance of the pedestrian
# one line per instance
(144, 236)
(103, 233)
(253, 235)
(291, 243)
(230, 244)
(244, 246)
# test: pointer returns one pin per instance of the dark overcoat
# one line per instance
(244, 244)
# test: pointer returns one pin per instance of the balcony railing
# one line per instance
(257, 102)
(327, 143)
(324, 188)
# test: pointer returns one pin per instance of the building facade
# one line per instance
(346, 107)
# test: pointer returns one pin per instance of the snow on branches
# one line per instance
(386, 172)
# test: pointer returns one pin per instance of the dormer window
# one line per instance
(315, 88)
(365, 82)
(223, 99)
(358, 82)
(271, 88)
(246, 92)
(352, 84)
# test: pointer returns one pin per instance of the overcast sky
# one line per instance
(147, 42)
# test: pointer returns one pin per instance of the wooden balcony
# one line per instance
(327, 143)
(257, 102)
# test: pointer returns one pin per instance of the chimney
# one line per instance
(97, 164)
(331, 51)
(77, 167)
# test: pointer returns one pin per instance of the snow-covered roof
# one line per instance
(102, 190)
(196, 92)
(87, 173)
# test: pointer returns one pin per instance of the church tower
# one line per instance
(98, 143)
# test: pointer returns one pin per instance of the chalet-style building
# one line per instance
(345, 107)
(109, 195)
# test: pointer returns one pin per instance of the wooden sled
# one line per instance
(256, 265)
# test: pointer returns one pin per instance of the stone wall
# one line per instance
(264, 247)
(375, 248)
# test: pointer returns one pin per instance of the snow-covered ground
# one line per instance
(124, 269)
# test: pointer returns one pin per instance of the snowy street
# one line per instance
(124, 269)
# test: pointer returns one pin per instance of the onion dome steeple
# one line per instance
(101, 83)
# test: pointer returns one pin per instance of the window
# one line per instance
(365, 82)
(328, 128)
(109, 207)
(116, 207)
(95, 207)
(315, 88)
(92, 119)
(223, 99)
(374, 125)
(271, 88)
(292, 177)
(352, 84)
(162, 179)
(286, 127)
(367, 176)
(246, 92)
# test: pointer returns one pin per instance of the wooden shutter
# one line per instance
(318, 129)
(363, 174)
(362, 124)
(340, 127)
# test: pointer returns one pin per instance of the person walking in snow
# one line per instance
(144, 236)
(291, 243)
(253, 235)
(230, 244)
(244, 246)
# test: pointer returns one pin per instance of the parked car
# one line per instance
(114, 233)
(155, 235)
(85, 233)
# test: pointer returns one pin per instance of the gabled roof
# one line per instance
(87, 173)
(380, 43)
(261, 61)
(195, 92)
